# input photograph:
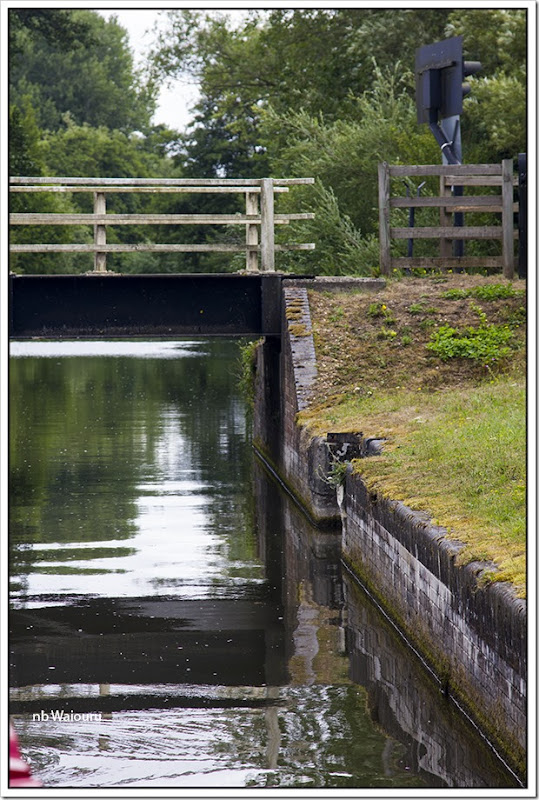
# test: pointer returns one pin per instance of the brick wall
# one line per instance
(473, 635)
(302, 462)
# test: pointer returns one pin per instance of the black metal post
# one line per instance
(458, 222)
(411, 219)
(522, 215)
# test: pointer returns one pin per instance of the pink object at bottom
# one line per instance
(19, 771)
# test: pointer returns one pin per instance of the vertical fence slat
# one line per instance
(383, 211)
(267, 232)
(251, 232)
(507, 219)
(100, 232)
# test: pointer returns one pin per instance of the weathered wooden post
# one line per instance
(383, 212)
(100, 232)
(267, 227)
(251, 231)
(507, 219)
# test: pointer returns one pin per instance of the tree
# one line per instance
(77, 62)
(494, 115)
(320, 92)
(297, 92)
(343, 156)
(26, 158)
(24, 134)
(310, 60)
(76, 105)
(59, 29)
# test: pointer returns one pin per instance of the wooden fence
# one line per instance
(259, 218)
(462, 175)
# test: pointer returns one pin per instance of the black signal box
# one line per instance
(439, 73)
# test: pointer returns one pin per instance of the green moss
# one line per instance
(299, 330)
(246, 370)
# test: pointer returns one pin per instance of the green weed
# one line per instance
(337, 314)
(421, 308)
(486, 344)
(376, 309)
(337, 474)
(246, 371)
(386, 333)
(382, 311)
(489, 291)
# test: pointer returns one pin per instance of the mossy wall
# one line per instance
(472, 634)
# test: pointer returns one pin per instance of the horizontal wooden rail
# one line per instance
(259, 219)
(149, 219)
(468, 232)
(485, 204)
(449, 202)
(152, 248)
(447, 262)
(403, 170)
(120, 182)
(146, 189)
(472, 180)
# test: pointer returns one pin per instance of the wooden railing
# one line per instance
(450, 176)
(259, 218)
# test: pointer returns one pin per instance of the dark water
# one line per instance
(178, 609)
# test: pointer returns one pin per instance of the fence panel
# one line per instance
(484, 175)
(259, 214)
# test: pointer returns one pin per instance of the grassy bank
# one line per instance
(436, 366)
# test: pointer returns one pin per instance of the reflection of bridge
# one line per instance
(150, 641)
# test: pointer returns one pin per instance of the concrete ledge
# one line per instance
(331, 283)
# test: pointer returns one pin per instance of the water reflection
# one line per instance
(215, 640)
(112, 448)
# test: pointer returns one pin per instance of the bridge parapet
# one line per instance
(97, 306)
(259, 218)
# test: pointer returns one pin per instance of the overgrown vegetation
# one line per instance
(489, 291)
(337, 474)
(455, 428)
(246, 371)
(487, 344)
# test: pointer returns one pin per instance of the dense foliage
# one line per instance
(326, 93)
